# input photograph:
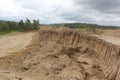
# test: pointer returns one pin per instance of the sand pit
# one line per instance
(63, 54)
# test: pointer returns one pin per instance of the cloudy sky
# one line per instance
(104, 12)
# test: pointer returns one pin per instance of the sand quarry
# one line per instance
(60, 54)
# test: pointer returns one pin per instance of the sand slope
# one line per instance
(63, 54)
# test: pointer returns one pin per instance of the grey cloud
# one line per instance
(72, 15)
(105, 6)
(105, 12)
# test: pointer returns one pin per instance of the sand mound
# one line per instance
(65, 54)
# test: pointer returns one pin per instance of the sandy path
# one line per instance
(14, 42)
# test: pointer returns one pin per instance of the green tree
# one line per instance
(21, 26)
(6, 26)
(36, 24)
(28, 25)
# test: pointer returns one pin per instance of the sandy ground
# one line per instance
(112, 36)
(111, 39)
(17, 41)
(14, 42)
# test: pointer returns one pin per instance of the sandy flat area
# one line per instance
(14, 42)
(111, 39)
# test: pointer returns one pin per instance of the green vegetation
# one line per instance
(7, 32)
(93, 28)
(84, 26)
(21, 26)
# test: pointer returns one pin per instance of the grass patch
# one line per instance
(7, 32)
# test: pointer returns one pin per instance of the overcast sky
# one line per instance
(105, 12)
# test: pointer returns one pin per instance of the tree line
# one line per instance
(21, 26)
(84, 25)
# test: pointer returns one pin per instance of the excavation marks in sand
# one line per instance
(14, 42)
